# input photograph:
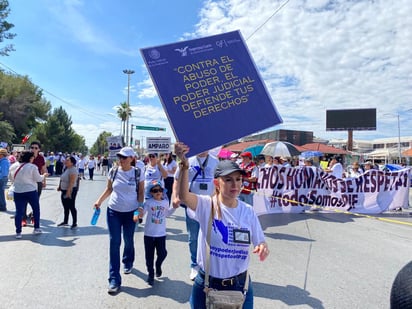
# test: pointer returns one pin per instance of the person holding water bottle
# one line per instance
(125, 187)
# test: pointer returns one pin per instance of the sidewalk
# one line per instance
(317, 260)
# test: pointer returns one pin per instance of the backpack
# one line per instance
(113, 173)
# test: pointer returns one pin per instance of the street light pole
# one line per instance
(128, 72)
(131, 135)
(399, 132)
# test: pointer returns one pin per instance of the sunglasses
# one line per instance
(121, 157)
(157, 190)
(152, 156)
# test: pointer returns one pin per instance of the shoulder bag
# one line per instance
(225, 299)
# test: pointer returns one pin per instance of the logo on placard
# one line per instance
(154, 54)
(182, 51)
(221, 43)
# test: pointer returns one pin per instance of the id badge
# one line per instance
(241, 236)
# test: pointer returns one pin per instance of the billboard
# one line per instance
(211, 90)
(361, 119)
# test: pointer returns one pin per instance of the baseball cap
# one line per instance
(126, 152)
(152, 184)
(246, 154)
(227, 167)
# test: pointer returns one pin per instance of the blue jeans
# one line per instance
(3, 183)
(115, 222)
(192, 227)
(247, 198)
(21, 200)
(198, 296)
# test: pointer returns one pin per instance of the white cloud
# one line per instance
(317, 55)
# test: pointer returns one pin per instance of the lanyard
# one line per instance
(202, 166)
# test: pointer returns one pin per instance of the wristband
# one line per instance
(140, 204)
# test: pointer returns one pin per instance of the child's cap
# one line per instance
(151, 185)
(154, 183)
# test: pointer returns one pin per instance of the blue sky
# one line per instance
(313, 55)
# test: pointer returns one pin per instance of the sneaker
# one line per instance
(193, 273)
(158, 272)
(62, 224)
(37, 231)
(150, 280)
(73, 226)
(113, 288)
(18, 235)
(23, 222)
(127, 270)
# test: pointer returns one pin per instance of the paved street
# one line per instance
(318, 260)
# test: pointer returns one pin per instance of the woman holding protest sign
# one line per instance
(235, 228)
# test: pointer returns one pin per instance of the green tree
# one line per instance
(100, 146)
(4, 28)
(6, 131)
(57, 134)
(21, 104)
(124, 111)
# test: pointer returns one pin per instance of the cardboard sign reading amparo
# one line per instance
(158, 144)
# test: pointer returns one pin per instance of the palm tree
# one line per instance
(123, 112)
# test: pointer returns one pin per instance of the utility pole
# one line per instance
(128, 72)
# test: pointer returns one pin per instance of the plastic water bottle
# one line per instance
(136, 217)
(95, 217)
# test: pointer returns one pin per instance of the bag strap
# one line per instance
(15, 174)
(209, 230)
(137, 178)
(113, 173)
(207, 266)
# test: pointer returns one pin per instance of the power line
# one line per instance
(91, 114)
(270, 17)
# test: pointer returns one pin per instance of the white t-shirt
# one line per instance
(227, 258)
(337, 170)
(124, 196)
(203, 183)
(82, 163)
(91, 163)
(26, 178)
(169, 168)
(140, 164)
(156, 211)
(152, 173)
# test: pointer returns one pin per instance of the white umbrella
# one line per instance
(281, 149)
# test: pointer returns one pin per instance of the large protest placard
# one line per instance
(211, 90)
(292, 190)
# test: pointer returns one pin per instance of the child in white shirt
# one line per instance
(157, 209)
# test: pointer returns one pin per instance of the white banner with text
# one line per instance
(292, 190)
